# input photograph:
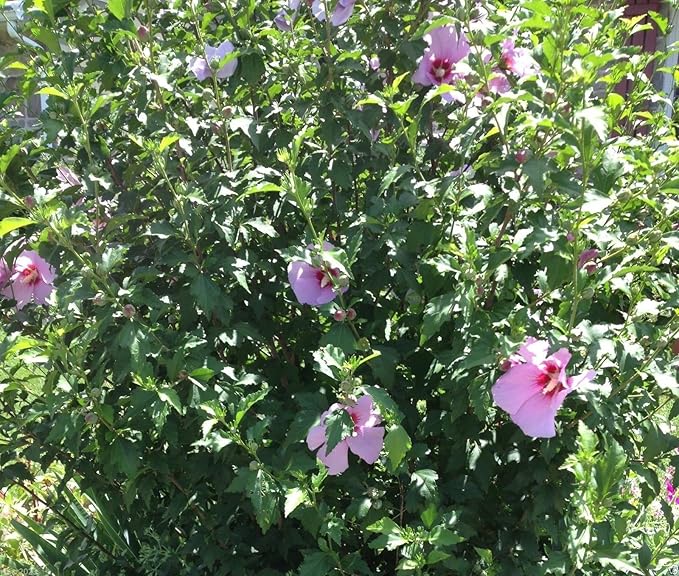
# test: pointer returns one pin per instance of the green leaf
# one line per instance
(437, 311)
(52, 91)
(398, 443)
(207, 293)
(264, 498)
(442, 536)
(316, 564)
(339, 426)
(392, 535)
(329, 361)
(167, 141)
(171, 397)
(247, 403)
(294, 497)
(7, 157)
(7, 225)
(120, 8)
(424, 483)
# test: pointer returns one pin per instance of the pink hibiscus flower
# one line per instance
(366, 440)
(517, 60)
(201, 66)
(535, 386)
(340, 14)
(440, 63)
(587, 259)
(312, 284)
(31, 279)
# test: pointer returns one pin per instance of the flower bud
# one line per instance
(588, 293)
(254, 465)
(351, 314)
(98, 299)
(363, 344)
(227, 112)
(129, 311)
(91, 418)
(339, 315)
(29, 202)
(570, 237)
(675, 347)
(521, 156)
(182, 375)
(549, 96)
(143, 33)
(95, 392)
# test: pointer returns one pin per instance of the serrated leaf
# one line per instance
(397, 443)
(437, 311)
(339, 426)
(247, 403)
(424, 483)
(294, 497)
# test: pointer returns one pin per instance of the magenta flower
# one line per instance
(201, 67)
(340, 14)
(534, 387)
(587, 260)
(440, 63)
(30, 279)
(517, 60)
(312, 284)
(366, 440)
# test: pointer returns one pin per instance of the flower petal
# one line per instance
(536, 415)
(342, 12)
(200, 68)
(316, 437)
(534, 351)
(41, 292)
(516, 386)
(367, 443)
(338, 460)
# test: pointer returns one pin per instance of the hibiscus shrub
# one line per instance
(336, 288)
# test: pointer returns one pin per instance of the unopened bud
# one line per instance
(570, 237)
(95, 392)
(675, 347)
(351, 314)
(143, 33)
(588, 293)
(98, 300)
(227, 112)
(254, 465)
(29, 202)
(129, 311)
(549, 96)
(363, 344)
(521, 156)
(339, 315)
(91, 418)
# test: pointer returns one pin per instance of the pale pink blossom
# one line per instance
(441, 62)
(202, 66)
(517, 60)
(366, 439)
(314, 285)
(340, 14)
(535, 386)
(30, 279)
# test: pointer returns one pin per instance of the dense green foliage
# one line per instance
(174, 376)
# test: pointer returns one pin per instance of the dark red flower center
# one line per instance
(441, 70)
(325, 277)
(549, 378)
(30, 275)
